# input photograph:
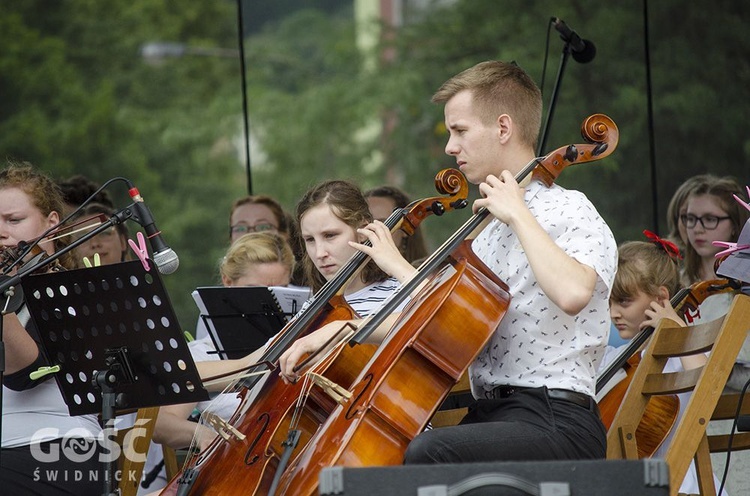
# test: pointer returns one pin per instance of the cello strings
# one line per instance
(299, 404)
(322, 364)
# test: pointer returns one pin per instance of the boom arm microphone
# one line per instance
(583, 51)
(165, 258)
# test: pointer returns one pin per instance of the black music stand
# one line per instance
(240, 319)
(737, 265)
(114, 334)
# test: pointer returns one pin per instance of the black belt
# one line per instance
(580, 399)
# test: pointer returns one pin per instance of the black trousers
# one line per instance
(527, 425)
(22, 473)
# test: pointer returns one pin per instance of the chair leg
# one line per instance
(135, 449)
(170, 462)
(704, 468)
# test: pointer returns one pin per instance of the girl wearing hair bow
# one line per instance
(648, 274)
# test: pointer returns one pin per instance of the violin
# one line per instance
(12, 259)
(661, 412)
(255, 442)
(440, 332)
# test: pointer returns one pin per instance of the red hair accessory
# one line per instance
(667, 246)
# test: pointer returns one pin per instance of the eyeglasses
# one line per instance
(241, 229)
(707, 221)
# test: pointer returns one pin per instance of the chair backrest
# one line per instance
(134, 443)
(726, 409)
(723, 338)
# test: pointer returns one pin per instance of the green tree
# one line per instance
(77, 98)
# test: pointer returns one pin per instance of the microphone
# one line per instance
(583, 51)
(164, 257)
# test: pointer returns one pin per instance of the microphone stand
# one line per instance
(8, 287)
(553, 99)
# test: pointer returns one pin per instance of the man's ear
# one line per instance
(504, 128)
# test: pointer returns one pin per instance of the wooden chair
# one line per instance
(726, 409)
(171, 463)
(723, 338)
(134, 443)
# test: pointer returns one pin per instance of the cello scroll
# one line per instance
(601, 135)
(447, 182)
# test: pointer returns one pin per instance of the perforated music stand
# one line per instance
(114, 334)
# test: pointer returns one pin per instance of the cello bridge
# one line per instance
(222, 427)
(338, 393)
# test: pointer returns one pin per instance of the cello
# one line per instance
(437, 336)
(253, 442)
(661, 411)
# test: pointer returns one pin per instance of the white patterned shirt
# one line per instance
(369, 299)
(537, 344)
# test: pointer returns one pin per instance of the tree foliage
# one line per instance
(76, 98)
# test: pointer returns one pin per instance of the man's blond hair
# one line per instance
(499, 88)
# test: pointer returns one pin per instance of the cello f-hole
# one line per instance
(264, 420)
(350, 411)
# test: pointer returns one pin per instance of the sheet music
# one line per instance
(240, 318)
(290, 298)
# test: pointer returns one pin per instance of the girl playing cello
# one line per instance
(647, 276)
(334, 222)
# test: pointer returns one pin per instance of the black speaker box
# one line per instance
(549, 478)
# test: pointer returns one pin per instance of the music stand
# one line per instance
(114, 334)
(240, 319)
(737, 264)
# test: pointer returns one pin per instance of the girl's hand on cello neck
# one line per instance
(383, 251)
(660, 309)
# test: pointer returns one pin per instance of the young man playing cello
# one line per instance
(534, 382)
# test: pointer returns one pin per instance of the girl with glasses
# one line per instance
(677, 208)
(711, 214)
(257, 213)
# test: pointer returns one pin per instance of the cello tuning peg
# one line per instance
(571, 153)
(459, 204)
(599, 149)
(437, 208)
